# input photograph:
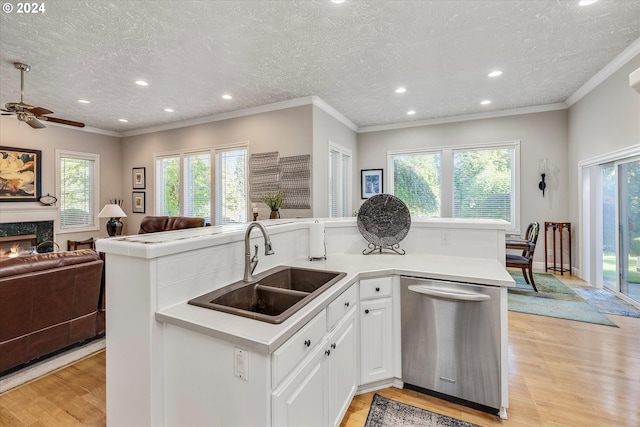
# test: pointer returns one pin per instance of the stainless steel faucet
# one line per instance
(250, 264)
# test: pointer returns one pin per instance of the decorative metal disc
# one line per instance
(384, 220)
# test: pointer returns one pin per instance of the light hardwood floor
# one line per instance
(561, 373)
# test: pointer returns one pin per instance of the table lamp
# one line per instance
(114, 213)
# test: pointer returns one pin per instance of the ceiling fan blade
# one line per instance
(34, 123)
(39, 111)
(61, 121)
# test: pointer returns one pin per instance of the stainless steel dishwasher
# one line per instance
(451, 341)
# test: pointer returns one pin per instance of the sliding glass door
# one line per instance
(609, 226)
(629, 226)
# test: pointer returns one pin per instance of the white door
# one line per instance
(375, 345)
(341, 368)
(300, 401)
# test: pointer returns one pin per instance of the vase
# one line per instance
(275, 215)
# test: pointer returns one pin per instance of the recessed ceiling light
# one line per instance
(586, 2)
(169, 110)
(485, 102)
(495, 73)
(227, 97)
(141, 83)
(123, 120)
(337, 1)
(401, 90)
(411, 112)
(83, 101)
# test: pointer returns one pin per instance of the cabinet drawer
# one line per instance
(375, 288)
(341, 305)
(289, 354)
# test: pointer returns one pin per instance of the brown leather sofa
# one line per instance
(48, 302)
(154, 224)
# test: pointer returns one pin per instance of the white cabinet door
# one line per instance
(376, 340)
(341, 360)
(300, 401)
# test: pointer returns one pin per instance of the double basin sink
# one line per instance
(273, 296)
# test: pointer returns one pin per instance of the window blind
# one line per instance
(231, 186)
(168, 186)
(482, 183)
(197, 185)
(416, 181)
(77, 192)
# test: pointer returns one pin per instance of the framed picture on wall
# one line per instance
(20, 174)
(139, 178)
(138, 203)
(371, 181)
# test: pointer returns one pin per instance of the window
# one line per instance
(461, 182)
(77, 178)
(231, 186)
(416, 181)
(483, 183)
(184, 184)
(339, 181)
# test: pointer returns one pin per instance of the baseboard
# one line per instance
(378, 385)
(46, 366)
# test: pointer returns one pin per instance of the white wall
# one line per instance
(20, 135)
(542, 135)
(605, 120)
(325, 129)
(288, 131)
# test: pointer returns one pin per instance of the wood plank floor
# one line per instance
(561, 373)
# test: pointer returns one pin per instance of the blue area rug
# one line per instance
(607, 302)
(554, 299)
(389, 413)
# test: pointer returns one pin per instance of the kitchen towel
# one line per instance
(316, 241)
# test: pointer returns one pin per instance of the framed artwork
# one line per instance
(20, 175)
(139, 178)
(371, 181)
(138, 202)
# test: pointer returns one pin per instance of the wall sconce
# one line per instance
(542, 169)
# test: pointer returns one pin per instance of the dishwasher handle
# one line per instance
(448, 294)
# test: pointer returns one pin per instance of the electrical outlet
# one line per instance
(549, 252)
(444, 237)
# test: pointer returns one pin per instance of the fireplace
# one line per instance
(26, 236)
(17, 245)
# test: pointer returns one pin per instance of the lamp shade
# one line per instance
(112, 211)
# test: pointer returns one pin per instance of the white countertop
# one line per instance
(266, 337)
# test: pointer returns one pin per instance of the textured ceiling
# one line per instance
(352, 55)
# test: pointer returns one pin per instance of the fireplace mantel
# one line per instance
(28, 213)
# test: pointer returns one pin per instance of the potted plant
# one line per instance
(273, 200)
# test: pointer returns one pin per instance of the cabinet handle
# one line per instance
(328, 352)
(333, 346)
(366, 312)
(377, 289)
(346, 304)
(307, 343)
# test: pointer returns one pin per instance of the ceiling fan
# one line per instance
(28, 113)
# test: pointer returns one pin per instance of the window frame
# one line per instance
(212, 152)
(60, 154)
(447, 173)
(345, 191)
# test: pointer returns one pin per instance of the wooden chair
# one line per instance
(525, 261)
(74, 245)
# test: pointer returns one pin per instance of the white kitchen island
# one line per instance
(171, 363)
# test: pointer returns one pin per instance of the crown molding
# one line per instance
(307, 100)
(468, 117)
(618, 62)
(318, 102)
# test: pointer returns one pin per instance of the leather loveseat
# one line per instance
(48, 302)
(154, 224)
